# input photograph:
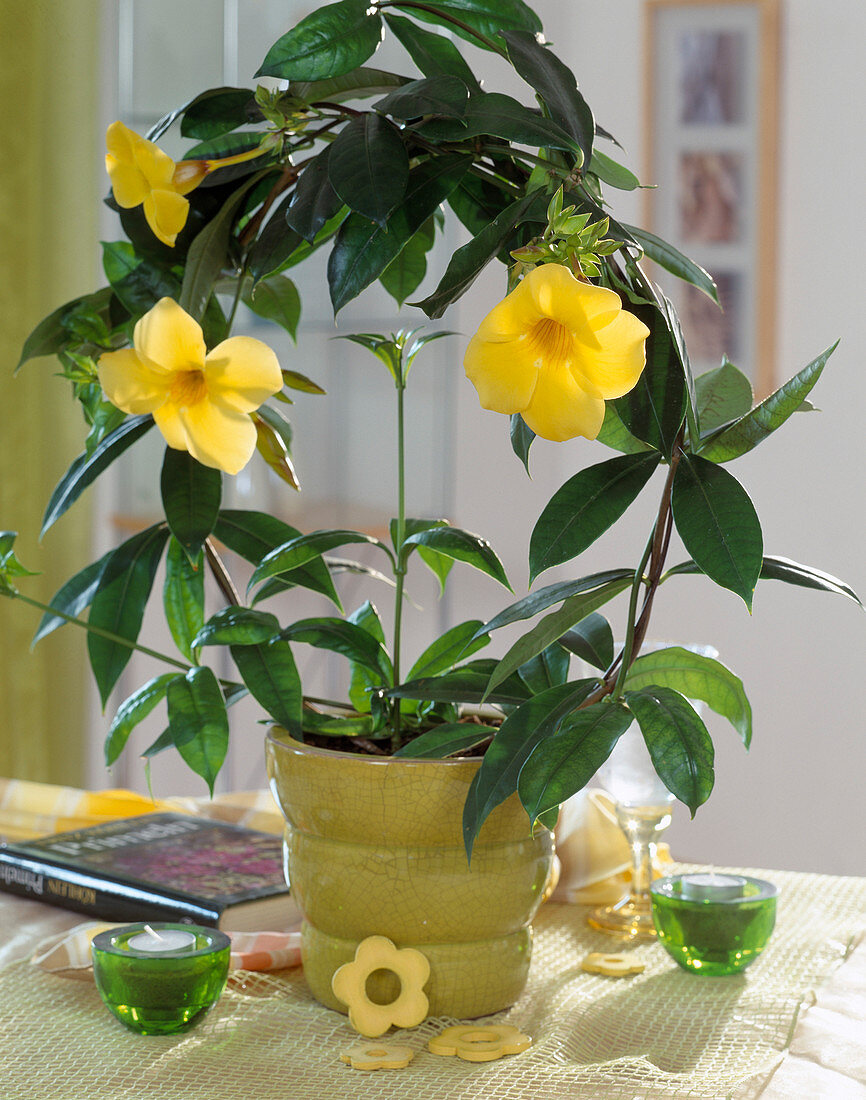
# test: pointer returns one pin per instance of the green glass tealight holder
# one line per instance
(713, 924)
(160, 978)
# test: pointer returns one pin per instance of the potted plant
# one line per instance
(367, 163)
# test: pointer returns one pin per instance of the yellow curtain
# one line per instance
(49, 164)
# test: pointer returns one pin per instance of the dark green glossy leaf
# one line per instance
(183, 597)
(592, 640)
(467, 684)
(199, 723)
(529, 725)
(464, 546)
(87, 467)
(585, 507)
(552, 627)
(314, 201)
(654, 409)
(73, 597)
(132, 711)
(252, 535)
(454, 645)
(499, 115)
(718, 525)
(191, 495)
(546, 669)
(791, 572)
(521, 439)
(437, 95)
(764, 419)
(615, 434)
(564, 763)
(138, 283)
(298, 551)
(679, 745)
(476, 202)
(330, 42)
(432, 53)
(438, 564)
(404, 274)
(274, 244)
(355, 84)
(555, 83)
(364, 682)
(368, 167)
(269, 671)
(363, 250)
(696, 677)
(672, 260)
(118, 606)
(487, 17)
(52, 334)
(451, 739)
(238, 626)
(346, 638)
(723, 394)
(537, 602)
(469, 261)
(679, 343)
(276, 299)
(217, 112)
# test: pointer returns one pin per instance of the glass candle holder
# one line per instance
(160, 978)
(713, 924)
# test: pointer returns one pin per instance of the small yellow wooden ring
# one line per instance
(479, 1042)
(371, 1056)
(349, 984)
(613, 965)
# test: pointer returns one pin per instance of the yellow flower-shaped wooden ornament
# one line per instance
(479, 1042)
(349, 984)
(371, 1056)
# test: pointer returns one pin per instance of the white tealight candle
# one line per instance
(166, 939)
(712, 887)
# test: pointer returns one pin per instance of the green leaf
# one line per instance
(438, 564)
(456, 644)
(555, 83)
(654, 409)
(585, 507)
(274, 244)
(199, 723)
(468, 262)
(73, 597)
(783, 569)
(404, 274)
(363, 682)
(552, 627)
(183, 597)
(269, 671)
(672, 260)
(467, 684)
(432, 53)
(208, 253)
(521, 439)
(546, 669)
(464, 546)
(118, 605)
(363, 250)
(191, 495)
(328, 43)
(592, 640)
(536, 602)
(314, 201)
(252, 535)
(298, 551)
(499, 115)
(132, 711)
(446, 740)
(138, 283)
(217, 112)
(764, 419)
(346, 638)
(722, 395)
(330, 725)
(487, 17)
(695, 677)
(276, 299)
(564, 763)
(679, 745)
(615, 434)
(294, 380)
(718, 525)
(368, 167)
(238, 626)
(52, 334)
(437, 95)
(534, 721)
(612, 172)
(355, 84)
(88, 466)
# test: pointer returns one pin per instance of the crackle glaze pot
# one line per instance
(374, 846)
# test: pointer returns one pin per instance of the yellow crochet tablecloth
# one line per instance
(663, 1033)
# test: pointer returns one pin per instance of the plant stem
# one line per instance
(400, 564)
(107, 634)
(628, 643)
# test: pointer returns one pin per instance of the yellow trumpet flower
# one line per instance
(554, 350)
(142, 174)
(200, 400)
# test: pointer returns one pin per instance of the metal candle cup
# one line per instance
(159, 991)
(713, 928)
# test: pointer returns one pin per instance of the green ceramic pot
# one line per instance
(374, 846)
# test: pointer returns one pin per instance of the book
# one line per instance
(162, 866)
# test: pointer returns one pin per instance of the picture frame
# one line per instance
(712, 132)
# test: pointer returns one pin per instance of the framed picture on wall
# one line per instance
(711, 71)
